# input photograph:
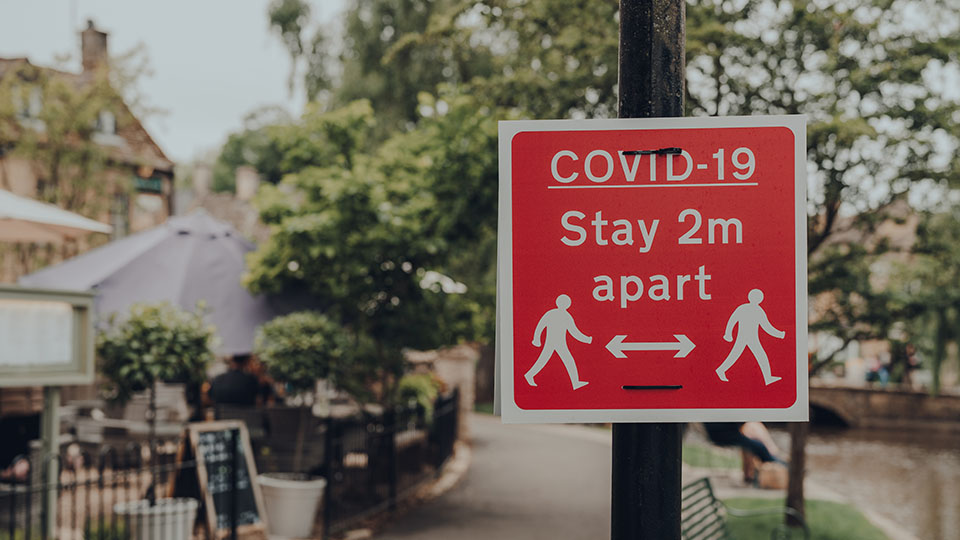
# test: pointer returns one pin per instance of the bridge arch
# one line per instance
(825, 414)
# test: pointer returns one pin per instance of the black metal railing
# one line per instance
(102, 495)
(370, 462)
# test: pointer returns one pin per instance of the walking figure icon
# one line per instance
(557, 322)
(749, 319)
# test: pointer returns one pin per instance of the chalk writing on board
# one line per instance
(214, 448)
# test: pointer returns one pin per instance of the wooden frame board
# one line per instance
(37, 304)
(257, 530)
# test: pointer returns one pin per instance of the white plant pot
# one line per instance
(291, 502)
(168, 519)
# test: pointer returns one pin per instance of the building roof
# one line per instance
(136, 148)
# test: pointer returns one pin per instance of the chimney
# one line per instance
(93, 47)
(202, 180)
(247, 182)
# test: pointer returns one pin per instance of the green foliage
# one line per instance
(483, 408)
(20, 534)
(155, 342)
(925, 290)
(419, 389)
(827, 521)
(352, 229)
(274, 145)
(698, 455)
(299, 348)
(879, 123)
(116, 531)
(548, 59)
(50, 120)
(373, 64)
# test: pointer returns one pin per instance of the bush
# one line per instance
(299, 348)
(156, 342)
(419, 389)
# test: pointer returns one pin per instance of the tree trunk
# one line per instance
(152, 491)
(301, 435)
(797, 471)
(940, 350)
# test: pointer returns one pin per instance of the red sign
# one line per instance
(653, 270)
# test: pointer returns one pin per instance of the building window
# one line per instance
(154, 184)
(28, 106)
(106, 123)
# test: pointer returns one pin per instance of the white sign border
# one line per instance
(511, 413)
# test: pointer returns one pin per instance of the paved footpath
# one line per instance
(525, 482)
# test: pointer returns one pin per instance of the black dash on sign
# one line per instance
(661, 151)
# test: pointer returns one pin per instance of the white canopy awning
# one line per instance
(26, 220)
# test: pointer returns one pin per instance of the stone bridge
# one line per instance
(890, 408)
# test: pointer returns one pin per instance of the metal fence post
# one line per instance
(13, 508)
(234, 465)
(390, 431)
(50, 435)
(328, 461)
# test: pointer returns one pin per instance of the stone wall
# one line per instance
(889, 408)
(456, 366)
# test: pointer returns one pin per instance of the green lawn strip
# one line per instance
(484, 408)
(827, 521)
(696, 455)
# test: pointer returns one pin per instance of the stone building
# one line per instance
(134, 183)
(133, 179)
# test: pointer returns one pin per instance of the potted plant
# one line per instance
(297, 350)
(154, 342)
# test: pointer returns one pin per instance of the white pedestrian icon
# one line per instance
(557, 323)
(749, 318)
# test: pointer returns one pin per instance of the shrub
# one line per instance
(420, 389)
(155, 342)
(299, 348)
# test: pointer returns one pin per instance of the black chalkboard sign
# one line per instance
(212, 443)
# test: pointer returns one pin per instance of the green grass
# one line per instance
(485, 408)
(827, 521)
(696, 455)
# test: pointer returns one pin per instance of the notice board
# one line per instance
(653, 270)
(209, 443)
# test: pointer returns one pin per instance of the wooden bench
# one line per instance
(703, 516)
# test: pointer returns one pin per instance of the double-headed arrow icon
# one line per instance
(682, 345)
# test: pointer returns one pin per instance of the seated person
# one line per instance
(236, 386)
(752, 437)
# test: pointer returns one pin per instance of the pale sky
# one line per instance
(213, 61)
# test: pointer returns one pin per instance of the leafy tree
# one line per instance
(154, 342)
(254, 146)
(275, 145)
(370, 65)
(925, 289)
(866, 77)
(350, 229)
(553, 59)
(872, 79)
(299, 348)
(50, 118)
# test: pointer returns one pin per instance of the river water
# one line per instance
(912, 478)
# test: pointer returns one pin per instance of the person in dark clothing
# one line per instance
(730, 434)
(236, 386)
(17, 432)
